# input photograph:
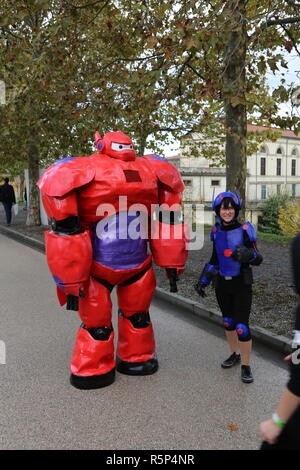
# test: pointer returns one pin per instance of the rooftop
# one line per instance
(284, 133)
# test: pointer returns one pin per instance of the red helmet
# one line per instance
(116, 145)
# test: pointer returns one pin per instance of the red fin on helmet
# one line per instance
(98, 140)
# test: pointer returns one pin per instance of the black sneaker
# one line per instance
(231, 361)
(246, 375)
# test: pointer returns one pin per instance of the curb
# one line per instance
(272, 340)
(20, 237)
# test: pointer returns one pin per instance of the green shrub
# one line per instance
(268, 221)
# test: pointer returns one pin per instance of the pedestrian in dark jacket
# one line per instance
(8, 198)
(282, 431)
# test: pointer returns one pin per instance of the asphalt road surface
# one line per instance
(189, 404)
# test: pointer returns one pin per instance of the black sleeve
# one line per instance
(248, 244)
(214, 257)
(297, 322)
(69, 226)
(294, 382)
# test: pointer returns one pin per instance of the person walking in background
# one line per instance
(25, 200)
(8, 198)
(282, 431)
(234, 249)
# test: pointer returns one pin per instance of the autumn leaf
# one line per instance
(233, 427)
(289, 45)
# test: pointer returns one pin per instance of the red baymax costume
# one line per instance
(99, 208)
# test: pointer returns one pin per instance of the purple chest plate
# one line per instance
(120, 241)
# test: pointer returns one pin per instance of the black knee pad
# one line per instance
(243, 332)
(140, 320)
(100, 333)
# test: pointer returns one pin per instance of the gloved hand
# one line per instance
(172, 275)
(200, 289)
(242, 254)
(73, 301)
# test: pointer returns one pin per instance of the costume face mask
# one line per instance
(116, 145)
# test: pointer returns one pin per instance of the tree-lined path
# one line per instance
(191, 403)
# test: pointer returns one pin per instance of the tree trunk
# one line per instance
(235, 103)
(33, 214)
(142, 144)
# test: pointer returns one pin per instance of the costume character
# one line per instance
(100, 208)
(234, 250)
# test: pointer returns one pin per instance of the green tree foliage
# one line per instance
(151, 68)
(217, 55)
(268, 221)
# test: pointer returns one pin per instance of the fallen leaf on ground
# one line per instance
(233, 427)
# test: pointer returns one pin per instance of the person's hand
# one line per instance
(200, 289)
(242, 254)
(72, 302)
(270, 431)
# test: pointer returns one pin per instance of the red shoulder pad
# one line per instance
(166, 172)
(67, 174)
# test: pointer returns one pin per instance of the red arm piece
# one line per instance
(69, 258)
(60, 208)
(169, 240)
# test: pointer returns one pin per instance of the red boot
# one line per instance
(136, 345)
(93, 364)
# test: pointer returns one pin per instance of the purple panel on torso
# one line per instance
(120, 241)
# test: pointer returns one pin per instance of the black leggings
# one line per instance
(235, 299)
(289, 439)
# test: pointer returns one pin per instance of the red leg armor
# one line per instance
(93, 363)
(136, 344)
(95, 308)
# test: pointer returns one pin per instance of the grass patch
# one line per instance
(274, 237)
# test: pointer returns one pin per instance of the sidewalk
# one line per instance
(18, 225)
(190, 403)
(34, 237)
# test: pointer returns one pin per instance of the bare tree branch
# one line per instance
(195, 71)
(86, 5)
(293, 3)
(281, 21)
(5, 30)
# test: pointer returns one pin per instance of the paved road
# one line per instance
(189, 404)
